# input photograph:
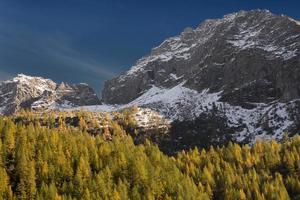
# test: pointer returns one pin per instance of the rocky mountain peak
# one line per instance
(258, 34)
(245, 67)
(39, 93)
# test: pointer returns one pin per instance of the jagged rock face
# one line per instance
(245, 68)
(237, 54)
(39, 93)
(80, 94)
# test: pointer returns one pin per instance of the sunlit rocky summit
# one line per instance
(42, 94)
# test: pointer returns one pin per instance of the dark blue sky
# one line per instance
(93, 40)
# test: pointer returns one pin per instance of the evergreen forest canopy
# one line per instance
(49, 159)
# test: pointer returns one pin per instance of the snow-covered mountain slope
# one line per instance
(243, 68)
(262, 121)
(40, 93)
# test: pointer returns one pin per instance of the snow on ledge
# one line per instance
(293, 20)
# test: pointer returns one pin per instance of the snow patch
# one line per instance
(293, 20)
(249, 38)
(175, 77)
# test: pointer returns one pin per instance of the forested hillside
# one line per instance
(47, 159)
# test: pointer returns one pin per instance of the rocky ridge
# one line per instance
(41, 94)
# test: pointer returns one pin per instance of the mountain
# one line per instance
(238, 76)
(41, 94)
(235, 78)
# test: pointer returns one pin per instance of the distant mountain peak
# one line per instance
(31, 92)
